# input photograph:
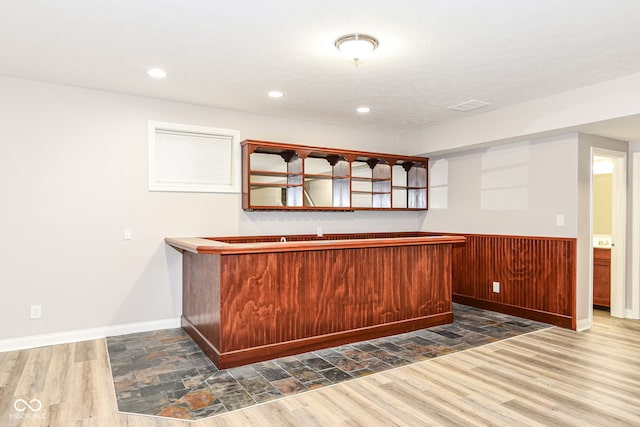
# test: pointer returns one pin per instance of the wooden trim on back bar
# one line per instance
(353, 154)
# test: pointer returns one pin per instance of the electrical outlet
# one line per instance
(36, 311)
(496, 287)
(126, 234)
(319, 232)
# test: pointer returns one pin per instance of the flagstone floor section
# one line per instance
(164, 373)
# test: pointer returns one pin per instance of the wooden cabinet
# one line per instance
(278, 176)
(602, 277)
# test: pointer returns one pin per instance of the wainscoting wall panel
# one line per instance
(537, 276)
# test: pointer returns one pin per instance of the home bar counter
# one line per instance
(252, 298)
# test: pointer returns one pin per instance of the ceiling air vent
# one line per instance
(469, 105)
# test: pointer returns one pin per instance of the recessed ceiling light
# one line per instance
(157, 73)
(275, 94)
(469, 105)
(363, 110)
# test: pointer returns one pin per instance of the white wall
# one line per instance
(514, 189)
(561, 112)
(73, 174)
(518, 189)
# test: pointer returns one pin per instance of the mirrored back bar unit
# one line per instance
(279, 176)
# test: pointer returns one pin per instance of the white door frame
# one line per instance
(635, 239)
(618, 229)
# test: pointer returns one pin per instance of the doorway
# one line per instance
(608, 229)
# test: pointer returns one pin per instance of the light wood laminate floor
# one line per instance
(550, 377)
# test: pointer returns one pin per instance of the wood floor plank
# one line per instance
(478, 381)
(562, 366)
(58, 381)
(622, 380)
(532, 412)
(359, 411)
(485, 399)
(398, 413)
(11, 364)
(627, 355)
(85, 351)
(569, 406)
(34, 373)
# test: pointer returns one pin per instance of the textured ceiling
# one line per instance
(432, 54)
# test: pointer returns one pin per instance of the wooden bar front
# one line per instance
(248, 302)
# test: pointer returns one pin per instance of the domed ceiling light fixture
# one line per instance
(356, 46)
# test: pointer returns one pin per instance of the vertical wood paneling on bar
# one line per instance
(277, 297)
(405, 298)
(248, 304)
(535, 273)
(201, 295)
(371, 271)
(356, 311)
(319, 296)
(287, 300)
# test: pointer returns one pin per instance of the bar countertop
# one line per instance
(209, 245)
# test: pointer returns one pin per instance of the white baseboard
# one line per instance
(629, 314)
(85, 334)
(584, 324)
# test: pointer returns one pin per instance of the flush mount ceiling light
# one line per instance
(363, 110)
(157, 73)
(275, 94)
(356, 46)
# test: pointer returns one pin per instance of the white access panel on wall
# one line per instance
(193, 158)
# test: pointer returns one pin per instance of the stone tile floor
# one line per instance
(165, 373)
